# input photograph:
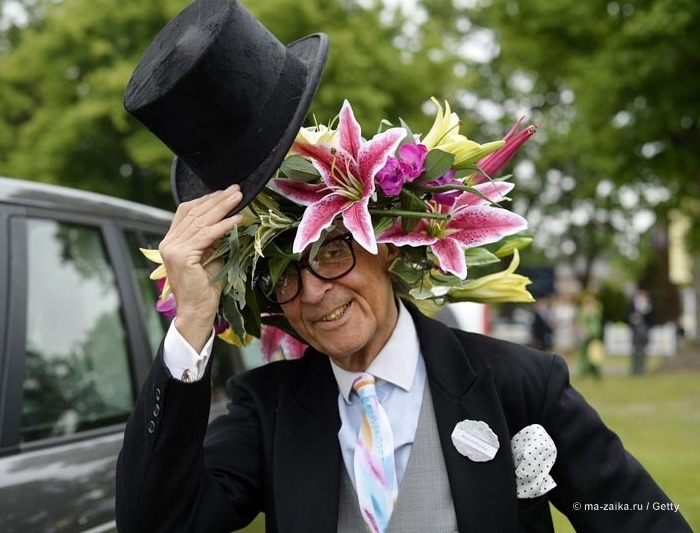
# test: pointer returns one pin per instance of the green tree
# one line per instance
(61, 90)
(613, 86)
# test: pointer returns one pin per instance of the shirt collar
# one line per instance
(396, 362)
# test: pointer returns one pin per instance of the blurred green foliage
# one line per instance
(613, 86)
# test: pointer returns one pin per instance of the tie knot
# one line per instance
(364, 385)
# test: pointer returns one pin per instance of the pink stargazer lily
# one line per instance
(472, 223)
(493, 162)
(274, 340)
(347, 171)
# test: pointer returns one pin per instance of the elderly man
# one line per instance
(285, 447)
(391, 421)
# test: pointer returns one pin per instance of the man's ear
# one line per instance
(393, 252)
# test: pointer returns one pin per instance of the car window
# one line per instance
(155, 323)
(77, 372)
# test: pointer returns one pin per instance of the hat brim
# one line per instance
(311, 50)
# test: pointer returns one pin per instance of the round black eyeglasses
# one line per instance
(333, 260)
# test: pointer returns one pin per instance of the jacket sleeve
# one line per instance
(600, 486)
(166, 480)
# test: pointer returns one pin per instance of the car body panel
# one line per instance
(64, 488)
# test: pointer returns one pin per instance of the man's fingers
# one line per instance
(208, 210)
(189, 209)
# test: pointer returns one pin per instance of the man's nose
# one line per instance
(312, 287)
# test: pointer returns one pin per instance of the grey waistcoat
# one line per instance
(424, 502)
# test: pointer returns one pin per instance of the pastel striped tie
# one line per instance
(375, 471)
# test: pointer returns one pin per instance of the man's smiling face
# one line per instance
(350, 318)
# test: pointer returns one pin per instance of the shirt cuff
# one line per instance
(184, 363)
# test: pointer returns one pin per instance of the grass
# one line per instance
(657, 416)
(256, 526)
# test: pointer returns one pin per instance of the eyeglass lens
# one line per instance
(334, 259)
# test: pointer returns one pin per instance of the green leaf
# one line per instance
(406, 271)
(234, 317)
(479, 256)
(251, 314)
(410, 202)
(421, 293)
(508, 244)
(409, 133)
(382, 224)
(299, 169)
(277, 265)
(436, 164)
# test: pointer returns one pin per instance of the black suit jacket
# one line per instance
(276, 450)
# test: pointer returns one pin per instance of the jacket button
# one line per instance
(158, 393)
(156, 410)
(151, 427)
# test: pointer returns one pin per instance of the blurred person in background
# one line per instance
(639, 318)
(563, 320)
(542, 331)
(589, 325)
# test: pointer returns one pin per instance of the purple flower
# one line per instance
(220, 325)
(391, 178)
(413, 160)
(446, 198)
(398, 172)
(167, 306)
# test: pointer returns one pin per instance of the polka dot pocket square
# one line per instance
(534, 454)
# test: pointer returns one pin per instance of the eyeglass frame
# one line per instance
(304, 263)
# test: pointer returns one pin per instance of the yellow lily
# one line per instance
(159, 272)
(501, 287)
(229, 336)
(444, 135)
(317, 134)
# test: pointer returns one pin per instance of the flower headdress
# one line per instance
(433, 196)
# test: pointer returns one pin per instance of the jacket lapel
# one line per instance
(484, 493)
(306, 499)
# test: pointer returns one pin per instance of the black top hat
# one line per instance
(225, 96)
